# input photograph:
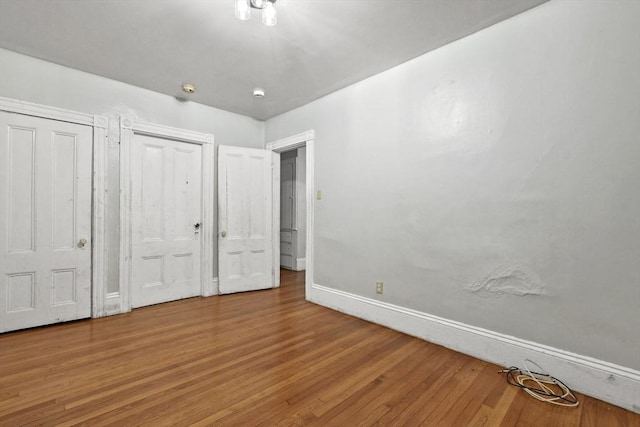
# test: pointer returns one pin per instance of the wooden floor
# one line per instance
(262, 358)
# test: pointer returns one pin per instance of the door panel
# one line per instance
(166, 204)
(45, 214)
(245, 202)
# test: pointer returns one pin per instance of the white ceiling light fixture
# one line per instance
(269, 14)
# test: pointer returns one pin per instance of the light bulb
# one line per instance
(269, 15)
(243, 11)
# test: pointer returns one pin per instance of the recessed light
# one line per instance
(258, 92)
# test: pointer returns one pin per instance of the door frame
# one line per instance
(128, 129)
(98, 185)
(304, 139)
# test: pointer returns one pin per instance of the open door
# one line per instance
(245, 219)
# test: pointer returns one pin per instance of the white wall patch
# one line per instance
(504, 280)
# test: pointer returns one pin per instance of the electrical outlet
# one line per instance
(379, 287)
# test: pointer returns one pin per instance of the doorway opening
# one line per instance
(303, 146)
(293, 211)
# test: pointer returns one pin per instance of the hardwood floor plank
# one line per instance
(492, 415)
(263, 358)
(445, 400)
(472, 399)
(233, 395)
(414, 402)
(406, 375)
(596, 413)
(512, 414)
(295, 398)
(345, 398)
(240, 417)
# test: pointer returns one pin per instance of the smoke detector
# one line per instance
(188, 88)
(258, 92)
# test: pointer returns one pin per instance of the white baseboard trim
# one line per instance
(301, 264)
(113, 301)
(606, 381)
(112, 304)
(211, 288)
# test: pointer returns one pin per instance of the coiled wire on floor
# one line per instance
(543, 387)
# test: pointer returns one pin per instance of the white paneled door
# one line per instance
(166, 206)
(245, 212)
(45, 214)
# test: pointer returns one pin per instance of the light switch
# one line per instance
(319, 195)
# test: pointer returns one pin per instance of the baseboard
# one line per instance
(611, 383)
(211, 288)
(112, 304)
(113, 301)
(301, 264)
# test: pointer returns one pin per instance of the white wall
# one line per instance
(494, 181)
(33, 80)
(29, 79)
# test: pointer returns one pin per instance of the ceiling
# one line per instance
(317, 47)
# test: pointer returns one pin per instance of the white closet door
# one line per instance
(245, 200)
(45, 221)
(166, 208)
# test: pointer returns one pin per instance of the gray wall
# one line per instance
(494, 181)
(29, 79)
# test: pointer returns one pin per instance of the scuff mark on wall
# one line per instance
(506, 280)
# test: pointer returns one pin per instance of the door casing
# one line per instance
(304, 139)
